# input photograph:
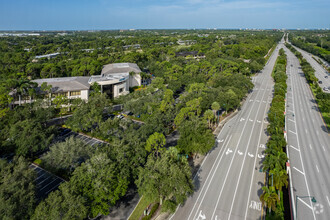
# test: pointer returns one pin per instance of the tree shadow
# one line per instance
(325, 128)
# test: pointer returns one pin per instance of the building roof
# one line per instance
(65, 84)
(116, 68)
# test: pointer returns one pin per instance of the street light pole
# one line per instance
(312, 199)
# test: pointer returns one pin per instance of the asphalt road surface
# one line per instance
(320, 72)
(308, 147)
(229, 183)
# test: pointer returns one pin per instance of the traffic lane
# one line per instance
(320, 72)
(308, 137)
(251, 202)
(188, 199)
(250, 164)
(219, 178)
(300, 186)
(204, 173)
(239, 206)
(315, 171)
(235, 175)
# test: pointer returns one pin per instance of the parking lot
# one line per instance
(45, 182)
(65, 133)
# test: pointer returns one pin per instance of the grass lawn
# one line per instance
(140, 208)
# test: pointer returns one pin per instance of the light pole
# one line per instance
(313, 200)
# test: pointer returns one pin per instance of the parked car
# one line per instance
(325, 89)
(120, 116)
(320, 82)
(326, 77)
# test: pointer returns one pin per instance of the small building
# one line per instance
(115, 80)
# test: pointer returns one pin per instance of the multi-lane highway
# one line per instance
(320, 72)
(308, 147)
(229, 183)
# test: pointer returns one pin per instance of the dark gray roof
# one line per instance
(64, 84)
(120, 68)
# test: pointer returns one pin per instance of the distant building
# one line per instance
(115, 80)
(51, 55)
(192, 54)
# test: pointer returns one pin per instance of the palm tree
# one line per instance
(280, 179)
(215, 107)
(209, 116)
(269, 197)
(22, 87)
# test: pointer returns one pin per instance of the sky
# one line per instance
(161, 14)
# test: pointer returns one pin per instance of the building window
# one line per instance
(59, 93)
(75, 93)
(121, 90)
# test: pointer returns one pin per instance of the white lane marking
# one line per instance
(323, 148)
(262, 156)
(317, 168)
(209, 175)
(48, 184)
(291, 120)
(305, 203)
(310, 146)
(228, 151)
(255, 205)
(53, 187)
(317, 132)
(201, 215)
(328, 200)
(41, 175)
(298, 170)
(292, 132)
(290, 111)
(306, 130)
(239, 152)
(294, 148)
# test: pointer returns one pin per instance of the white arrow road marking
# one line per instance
(220, 141)
(262, 156)
(251, 100)
(258, 121)
(262, 146)
(239, 152)
(250, 119)
(264, 101)
(228, 151)
(250, 155)
(201, 215)
(242, 119)
(257, 100)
